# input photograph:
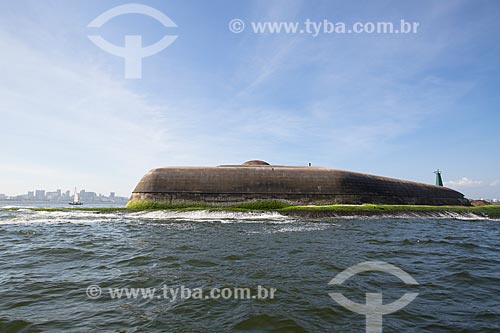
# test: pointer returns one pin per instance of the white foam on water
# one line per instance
(465, 216)
(293, 228)
(26, 215)
(417, 215)
(76, 213)
(206, 215)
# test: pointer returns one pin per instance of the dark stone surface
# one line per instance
(226, 185)
(255, 162)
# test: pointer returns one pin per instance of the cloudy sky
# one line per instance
(397, 105)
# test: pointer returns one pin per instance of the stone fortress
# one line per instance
(297, 185)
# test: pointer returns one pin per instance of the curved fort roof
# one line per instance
(258, 180)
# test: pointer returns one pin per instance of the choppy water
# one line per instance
(48, 259)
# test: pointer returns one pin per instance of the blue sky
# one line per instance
(392, 105)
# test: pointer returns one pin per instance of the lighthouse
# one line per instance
(439, 179)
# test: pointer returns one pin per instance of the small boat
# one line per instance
(76, 201)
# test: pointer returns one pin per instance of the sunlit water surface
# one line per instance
(48, 259)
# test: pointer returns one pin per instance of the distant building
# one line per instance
(53, 196)
(40, 195)
(88, 196)
(21, 197)
(60, 196)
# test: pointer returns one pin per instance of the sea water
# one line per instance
(50, 258)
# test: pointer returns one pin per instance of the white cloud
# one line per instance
(76, 123)
(356, 101)
(463, 182)
(70, 119)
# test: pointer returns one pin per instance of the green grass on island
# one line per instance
(247, 206)
(491, 211)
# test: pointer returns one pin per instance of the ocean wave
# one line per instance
(293, 228)
(26, 215)
(410, 215)
(207, 215)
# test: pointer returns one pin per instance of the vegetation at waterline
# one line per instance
(279, 206)
(247, 206)
(66, 209)
(489, 210)
(492, 211)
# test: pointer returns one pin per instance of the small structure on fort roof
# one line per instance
(299, 185)
(255, 162)
(439, 179)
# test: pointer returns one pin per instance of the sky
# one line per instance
(396, 105)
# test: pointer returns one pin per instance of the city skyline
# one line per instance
(59, 195)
